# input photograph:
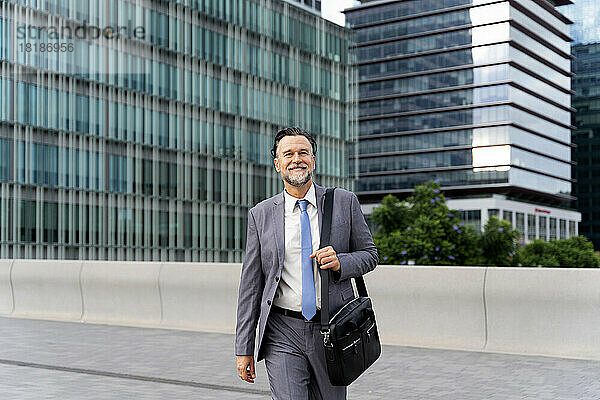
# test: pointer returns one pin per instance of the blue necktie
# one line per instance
(309, 299)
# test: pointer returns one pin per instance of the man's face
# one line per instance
(295, 161)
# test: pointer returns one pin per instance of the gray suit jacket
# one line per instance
(261, 270)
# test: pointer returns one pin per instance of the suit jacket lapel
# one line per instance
(278, 223)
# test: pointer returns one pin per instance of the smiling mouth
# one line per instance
(297, 169)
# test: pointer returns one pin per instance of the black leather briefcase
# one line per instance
(350, 338)
(352, 342)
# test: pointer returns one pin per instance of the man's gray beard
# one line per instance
(298, 182)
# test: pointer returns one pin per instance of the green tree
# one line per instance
(423, 229)
(576, 252)
(391, 216)
(536, 253)
(498, 242)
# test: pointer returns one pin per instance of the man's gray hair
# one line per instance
(293, 131)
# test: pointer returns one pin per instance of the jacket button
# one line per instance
(268, 302)
(276, 279)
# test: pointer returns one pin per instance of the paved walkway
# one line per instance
(59, 360)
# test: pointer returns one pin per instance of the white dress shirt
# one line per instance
(289, 291)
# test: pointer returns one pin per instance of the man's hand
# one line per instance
(327, 258)
(245, 367)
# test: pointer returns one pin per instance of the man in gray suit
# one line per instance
(280, 283)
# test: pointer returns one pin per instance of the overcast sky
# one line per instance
(330, 9)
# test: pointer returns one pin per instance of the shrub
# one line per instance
(498, 242)
(536, 253)
(575, 252)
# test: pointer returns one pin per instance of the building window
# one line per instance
(542, 229)
(572, 231)
(507, 216)
(563, 229)
(472, 217)
(28, 228)
(530, 227)
(50, 222)
(552, 228)
(521, 224)
(493, 212)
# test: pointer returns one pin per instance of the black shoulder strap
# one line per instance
(325, 241)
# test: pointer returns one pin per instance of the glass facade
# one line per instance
(473, 93)
(507, 216)
(553, 235)
(586, 136)
(543, 228)
(531, 225)
(584, 14)
(520, 224)
(471, 217)
(585, 30)
(141, 130)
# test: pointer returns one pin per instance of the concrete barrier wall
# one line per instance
(515, 310)
(44, 289)
(6, 296)
(121, 293)
(200, 296)
(544, 311)
(429, 306)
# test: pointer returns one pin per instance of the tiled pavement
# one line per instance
(59, 360)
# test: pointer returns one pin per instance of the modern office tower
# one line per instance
(475, 95)
(141, 130)
(586, 137)
(585, 15)
(585, 30)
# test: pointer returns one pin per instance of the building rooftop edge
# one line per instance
(563, 2)
(304, 7)
(368, 4)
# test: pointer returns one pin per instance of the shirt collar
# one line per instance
(290, 201)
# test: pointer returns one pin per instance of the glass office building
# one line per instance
(141, 130)
(586, 136)
(586, 100)
(472, 93)
(585, 15)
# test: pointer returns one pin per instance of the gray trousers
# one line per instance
(295, 361)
